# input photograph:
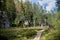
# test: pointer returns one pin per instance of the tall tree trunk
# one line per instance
(34, 22)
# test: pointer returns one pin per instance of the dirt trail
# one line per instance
(38, 36)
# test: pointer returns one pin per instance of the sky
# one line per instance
(48, 5)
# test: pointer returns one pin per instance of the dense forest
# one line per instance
(15, 13)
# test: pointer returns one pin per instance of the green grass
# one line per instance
(51, 35)
(18, 33)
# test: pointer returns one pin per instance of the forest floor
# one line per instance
(17, 33)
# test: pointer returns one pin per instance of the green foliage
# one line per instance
(54, 34)
(11, 11)
(17, 33)
(29, 33)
